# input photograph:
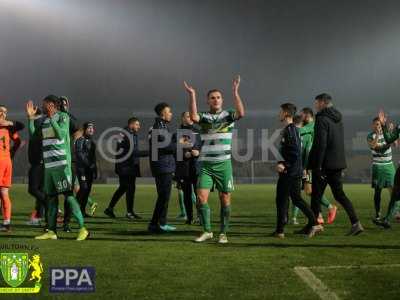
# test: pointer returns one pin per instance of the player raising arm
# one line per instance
(215, 155)
(57, 163)
(390, 137)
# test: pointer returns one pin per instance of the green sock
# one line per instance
(181, 203)
(52, 213)
(205, 215)
(325, 202)
(225, 216)
(76, 210)
(90, 201)
(295, 211)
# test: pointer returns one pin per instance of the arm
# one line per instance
(292, 146)
(237, 100)
(390, 136)
(80, 153)
(194, 116)
(31, 112)
(306, 152)
(61, 127)
(320, 142)
(16, 143)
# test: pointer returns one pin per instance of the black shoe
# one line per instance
(304, 230)
(133, 216)
(154, 228)
(189, 222)
(356, 229)
(383, 223)
(109, 212)
(136, 216)
(5, 228)
(67, 228)
(279, 235)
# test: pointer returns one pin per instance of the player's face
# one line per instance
(306, 117)
(186, 119)
(135, 126)
(3, 113)
(215, 101)
(282, 115)
(166, 114)
(89, 131)
(318, 105)
(46, 106)
(376, 126)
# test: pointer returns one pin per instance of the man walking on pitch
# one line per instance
(57, 163)
(86, 165)
(162, 164)
(307, 136)
(127, 167)
(327, 159)
(290, 172)
(215, 155)
(382, 165)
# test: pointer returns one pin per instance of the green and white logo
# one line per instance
(14, 268)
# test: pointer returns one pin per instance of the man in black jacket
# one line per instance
(162, 147)
(327, 159)
(290, 172)
(187, 168)
(85, 164)
(35, 174)
(127, 167)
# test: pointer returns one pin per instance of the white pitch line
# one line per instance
(355, 267)
(315, 284)
(319, 287)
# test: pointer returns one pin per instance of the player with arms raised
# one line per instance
(215, 155)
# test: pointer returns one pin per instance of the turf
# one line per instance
(132, 264)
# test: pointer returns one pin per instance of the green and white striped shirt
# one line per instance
(216, 135)
(55, 140)
(383, 154)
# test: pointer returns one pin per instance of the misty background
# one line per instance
(117, 59)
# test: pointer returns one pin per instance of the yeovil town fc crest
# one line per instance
(15, 267)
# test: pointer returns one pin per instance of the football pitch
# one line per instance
(132, 264)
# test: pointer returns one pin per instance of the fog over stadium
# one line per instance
(115, 59)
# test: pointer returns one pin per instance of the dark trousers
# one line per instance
(188, 187)
(85, 187)
(289, 186)
(334, 178)
(35, 188)
(127, 184)
(395, 195)
(163, 185)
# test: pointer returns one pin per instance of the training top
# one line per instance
(382, 153)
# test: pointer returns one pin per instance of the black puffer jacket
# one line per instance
(165, 162)
(327, 151)
(128, 162)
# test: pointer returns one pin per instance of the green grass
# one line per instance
(131, 264)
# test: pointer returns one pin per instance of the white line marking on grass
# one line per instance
(315, 284)
(319, 287)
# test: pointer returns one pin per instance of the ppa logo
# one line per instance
(72, 280)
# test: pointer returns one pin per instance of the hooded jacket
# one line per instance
(327, 151)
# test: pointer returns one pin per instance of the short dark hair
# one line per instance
(297, 120)
(289, 108)
(213, 91)
(308, 111)
(324, 97)
(375, 119)
(52, 99)
(132, 120)
(160, 107)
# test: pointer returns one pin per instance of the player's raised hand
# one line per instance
(236, 83)
(189, 88)
(31, 109)
(382, 117)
